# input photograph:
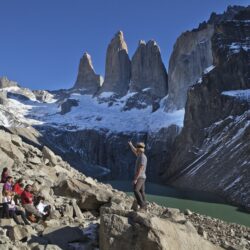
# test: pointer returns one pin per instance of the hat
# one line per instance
(140, 145)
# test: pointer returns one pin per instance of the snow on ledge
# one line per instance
(242, 94)
(208, 69)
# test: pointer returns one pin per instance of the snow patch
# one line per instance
(242, 94)
(208, 69)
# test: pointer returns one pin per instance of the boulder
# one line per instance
(49, 154)
(118, 66)
(145, 231)
(87, 79)
(16, 140)
(9, 148)
(20, 233)
(6, 160)
(77, 210)
(7, 222)
(88, 197)
(148, 70)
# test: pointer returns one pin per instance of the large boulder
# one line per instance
(87, 79)
(88, 197)
(132, 231)
(9, 148)
(49, 154)
(148, 70)
(118, 66)
(20, 233)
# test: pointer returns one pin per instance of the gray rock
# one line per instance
(144, 231)
(77, 210)
(5, 82)
(7, 222)
(48, 154)
(117, 67)
(87, 79)
(20, 233)
(192, 54)
(3, 98)
(148, 70)
(43, 95)
(67, 106)
(88, 197)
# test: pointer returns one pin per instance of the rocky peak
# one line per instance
(87, 79)
(118, 66)
(229, 14)
(148, 70)
(5, 82)
(191, 55)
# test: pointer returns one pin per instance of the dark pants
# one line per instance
(139, 191)
(14, 213)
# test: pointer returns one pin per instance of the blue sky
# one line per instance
(42, 41)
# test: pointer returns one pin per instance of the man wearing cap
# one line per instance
(140, 174)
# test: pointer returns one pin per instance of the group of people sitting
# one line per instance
(17, 199)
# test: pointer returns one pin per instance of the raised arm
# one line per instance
(132, 147)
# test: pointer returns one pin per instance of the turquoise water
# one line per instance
(199, 202)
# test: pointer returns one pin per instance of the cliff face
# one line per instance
(87, 79)
(192, 54)
(117, 67)
(106, 155)
(212, 151)
(148, 70)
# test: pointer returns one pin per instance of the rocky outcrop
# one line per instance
(67, 106)
(43, 95)
(148, 70)
(5, 82)
(3, 98)
(87, 79)
(211, 153)
(117, 67)
(121, 230)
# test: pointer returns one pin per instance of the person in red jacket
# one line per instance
(27, 202)
(18, 187)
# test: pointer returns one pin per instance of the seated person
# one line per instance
(18, 189)
(27, 202)
(42, 207)
(4, 175)
(13, 211)
(8, 185)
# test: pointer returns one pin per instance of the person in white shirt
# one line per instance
(13, 211)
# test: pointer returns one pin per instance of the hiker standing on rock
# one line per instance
(140, 174)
